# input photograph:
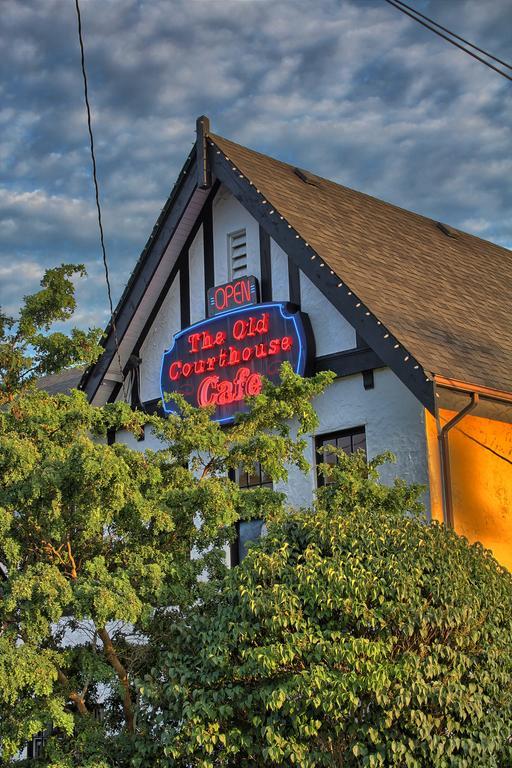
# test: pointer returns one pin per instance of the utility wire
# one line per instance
(415, 15)
(97, 194)
(453, 34)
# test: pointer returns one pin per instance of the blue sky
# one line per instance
(350, 89)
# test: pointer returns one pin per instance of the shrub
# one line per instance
(354, 634)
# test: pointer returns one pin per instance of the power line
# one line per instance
(453, 34)
(97, 192)
(413, 14)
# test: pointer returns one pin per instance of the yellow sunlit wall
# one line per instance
(481, 479)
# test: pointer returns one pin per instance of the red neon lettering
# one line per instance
(213, 391)
(234, 356)
(203, 391)
(174, 371)
(205, 340)
(187, 369)
(224, 394)
(247, 354)
(286, 343)
(245, 291)
(229, 291)
(240, 330)
(193, 340)
(254, 385)
(219, 298)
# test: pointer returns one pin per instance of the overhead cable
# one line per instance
(97, 194)
(431, 25)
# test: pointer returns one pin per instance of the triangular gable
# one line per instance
(188, 206)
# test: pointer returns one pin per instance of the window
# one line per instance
(248, 530)
(349, 440)
(35, 747)
(237, 254)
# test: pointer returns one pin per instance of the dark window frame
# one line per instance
(234, 475)
(332, 438)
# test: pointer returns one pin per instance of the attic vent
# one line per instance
(237, 254)
(445, 229)
(304, 176)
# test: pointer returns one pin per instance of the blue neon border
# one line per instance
(301, 363)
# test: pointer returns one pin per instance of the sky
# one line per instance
(350, 89)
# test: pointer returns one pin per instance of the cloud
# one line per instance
(351, 89)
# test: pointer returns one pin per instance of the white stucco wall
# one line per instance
(279, 270)
(393, 420)
(159, 338)
(332, 332)
(230, 216)
(196, 271)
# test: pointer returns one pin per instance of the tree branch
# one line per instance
(122, 675)
(75, 697)
(72, 561)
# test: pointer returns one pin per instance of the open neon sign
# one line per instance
(237, 293)
(223, 360)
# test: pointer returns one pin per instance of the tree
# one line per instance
(354, 634)
(96, 539)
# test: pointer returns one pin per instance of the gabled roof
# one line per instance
(431, 301)
(444, 294)
(61, 383)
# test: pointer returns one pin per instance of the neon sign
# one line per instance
(237, 293)
(222, 360)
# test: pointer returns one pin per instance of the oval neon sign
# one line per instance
(222, 360)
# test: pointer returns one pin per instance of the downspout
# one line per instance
(444, 453)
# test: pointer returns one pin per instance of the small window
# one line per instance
(248, 530)
(35, 747)
(237, 254)
(349, 440)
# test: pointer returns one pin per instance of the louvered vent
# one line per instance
(237, 254)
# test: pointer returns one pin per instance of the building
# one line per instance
(411, 314)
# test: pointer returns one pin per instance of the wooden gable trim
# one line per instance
(387, 347)
(265, 266)
(147, 264)
(181, 261)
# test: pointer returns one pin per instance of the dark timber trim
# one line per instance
(204, 176)
(158, 303)
(146, 266)
(368, 379)
(408, 370)
(293, 281)
(209, 260)
(265, 266)
(349, 362)
(172, 274)
(184, 290)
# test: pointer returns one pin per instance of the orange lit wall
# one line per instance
(481, 468)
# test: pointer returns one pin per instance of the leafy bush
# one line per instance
(352, 635)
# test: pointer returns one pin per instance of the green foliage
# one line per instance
(96, 539)
(352, 635)
(28, 350)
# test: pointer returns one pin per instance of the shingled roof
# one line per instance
(445, 294)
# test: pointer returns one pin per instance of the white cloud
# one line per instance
(351, 89)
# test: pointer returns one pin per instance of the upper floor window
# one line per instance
(237, 248)
(348, 440)
(248, 530)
